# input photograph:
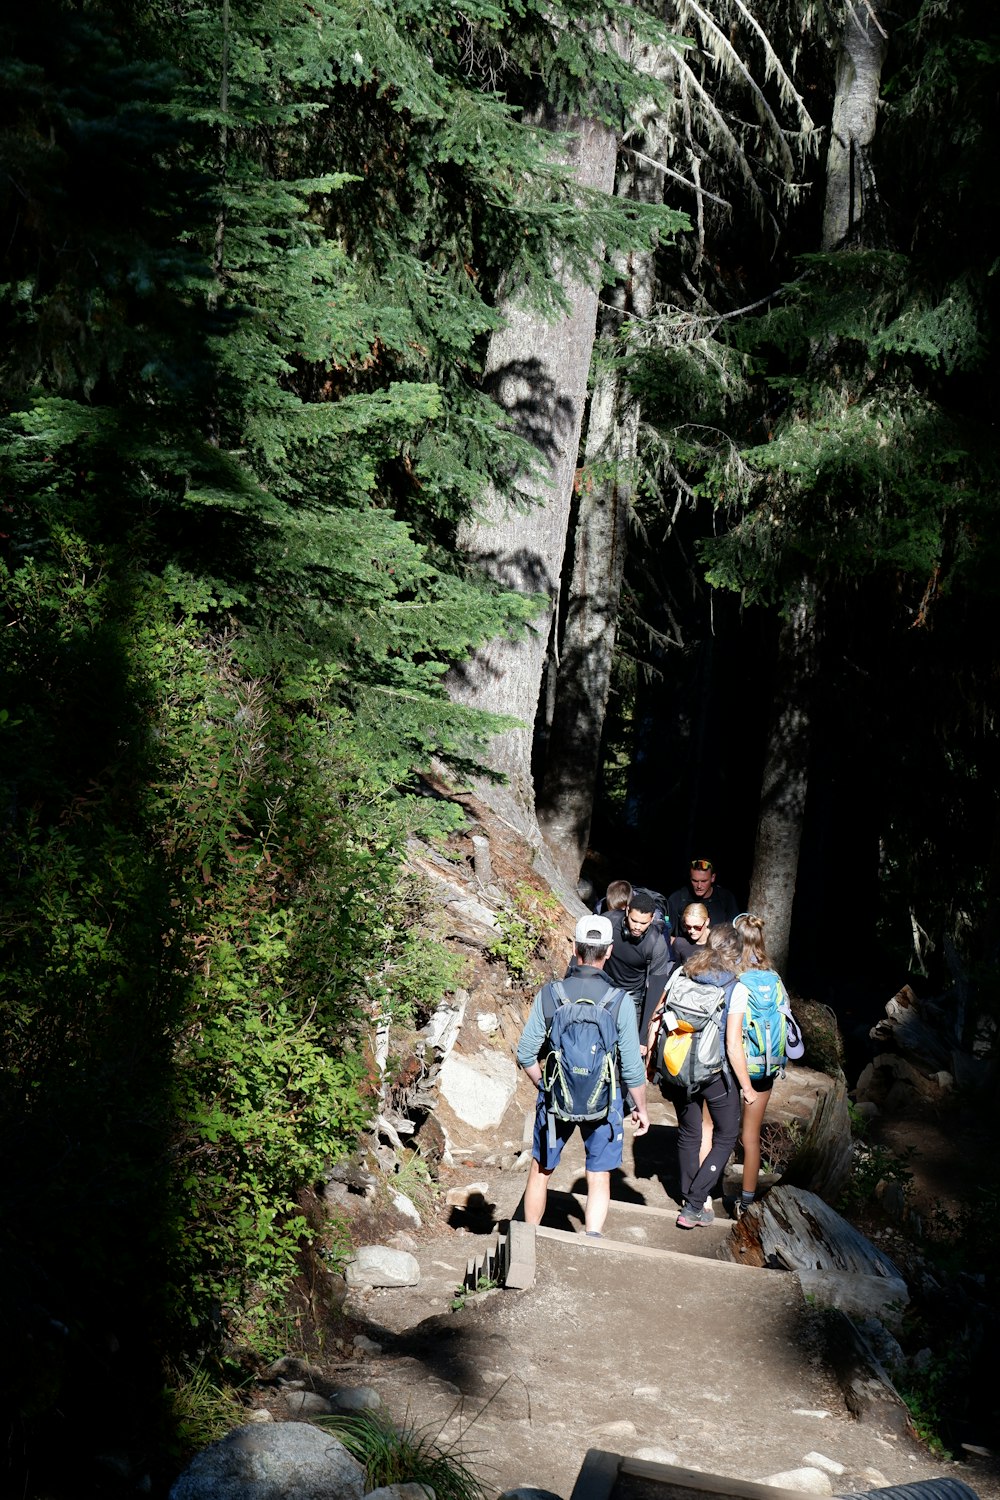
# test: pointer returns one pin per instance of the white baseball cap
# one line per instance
(594, 929)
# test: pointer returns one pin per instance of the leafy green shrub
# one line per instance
(929, 1396)
(198, 941)
(522, 928)
(871, 1166)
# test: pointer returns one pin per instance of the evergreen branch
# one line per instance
(726, 55)
(775, 69)
(735, 150)
(660, 166)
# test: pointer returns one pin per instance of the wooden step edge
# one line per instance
(600, 1472)
(647, 1252)
(644, 1252)
(638, 1208)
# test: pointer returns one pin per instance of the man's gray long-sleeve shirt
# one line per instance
(586, 983)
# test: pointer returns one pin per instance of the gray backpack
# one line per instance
(690, 1048)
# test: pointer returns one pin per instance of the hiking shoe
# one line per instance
(694, 1218)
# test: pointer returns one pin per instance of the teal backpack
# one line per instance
(765, 1023)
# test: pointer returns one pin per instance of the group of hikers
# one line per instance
(679, 992)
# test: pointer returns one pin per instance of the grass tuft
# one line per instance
(392, 1455)
(202, 1411)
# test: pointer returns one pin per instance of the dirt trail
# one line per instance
(678, 1357)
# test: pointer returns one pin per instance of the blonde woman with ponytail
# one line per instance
(754, 1092)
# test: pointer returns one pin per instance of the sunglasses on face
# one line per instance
(695, 926)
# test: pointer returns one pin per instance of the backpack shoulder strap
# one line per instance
(673, 978)
(613, 1002)
(553, 995)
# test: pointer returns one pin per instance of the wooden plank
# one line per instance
(606, 1476)
(676, 1483)
(647, 1252)
(597, 1477)
(519, 1259)
(621, 1247)
(653, 1209)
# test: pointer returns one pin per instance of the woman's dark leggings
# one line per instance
(723, 1099)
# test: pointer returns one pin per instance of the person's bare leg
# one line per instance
(753, 1118)
(535, 1193)
(706, 1134)
(598, 1201)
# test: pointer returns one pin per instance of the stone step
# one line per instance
(637, 1226)
(648, 1173)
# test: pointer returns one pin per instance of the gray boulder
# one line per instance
(306, 1404)
(402, 1492)
(355, 1398)
(283, 1461)
(479, 1088)
(377, 1265)
(529, 1492)
(807, 1481)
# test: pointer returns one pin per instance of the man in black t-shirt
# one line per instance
(640, 959)
(701, 887)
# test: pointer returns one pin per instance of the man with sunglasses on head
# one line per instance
(702, 889)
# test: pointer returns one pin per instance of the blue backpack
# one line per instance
(765, 1023)
(580, 1070)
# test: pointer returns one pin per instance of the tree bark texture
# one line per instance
(537, 370)
(786, 775)
(849, 191)
(586, 647)
(849, 183)
(584, 664)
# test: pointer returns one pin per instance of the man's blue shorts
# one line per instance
(603, 1139)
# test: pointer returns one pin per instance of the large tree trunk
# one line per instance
(586, 649)
(566, 799)
(850, 188)
(786, 774)
(537, 370)
(849, 191)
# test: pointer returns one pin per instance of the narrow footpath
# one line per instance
(643, 1344)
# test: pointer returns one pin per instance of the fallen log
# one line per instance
(837, 1266)
(924, 1031)
(869, 1393)
(822, 1160)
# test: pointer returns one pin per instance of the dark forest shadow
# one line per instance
(655, 1157)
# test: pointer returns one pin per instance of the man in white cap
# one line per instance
(603, 1138)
